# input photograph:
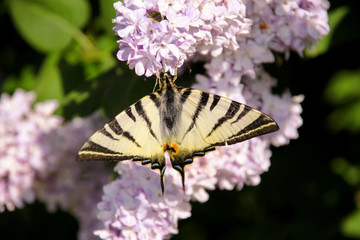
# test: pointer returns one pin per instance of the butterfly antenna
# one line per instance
(175, 76)
(176, 68)
(157, 81)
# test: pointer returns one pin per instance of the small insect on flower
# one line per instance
(184, 122)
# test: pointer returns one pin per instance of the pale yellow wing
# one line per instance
(133, 134)
(209, 120)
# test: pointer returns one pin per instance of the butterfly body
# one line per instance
(184, 122)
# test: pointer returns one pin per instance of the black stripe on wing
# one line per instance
(117, 129)
(93, 151)
(260, 126)
(185, 94)
(242, 114)
(155, 98)
(130, 114)
(107, 134)
(202, 103)
(140, 110)
(230, 113)
(215, 101)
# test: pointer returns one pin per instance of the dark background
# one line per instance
(311, 190)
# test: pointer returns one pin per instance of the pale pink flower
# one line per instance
(172, 31)
(133, 206)
(73, 186)
(23, 146)
(284, 109)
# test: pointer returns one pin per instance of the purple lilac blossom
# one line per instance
(23, 146)
(37, 160)
(158, 36)
(74, 186)
(285, 109)
(292, 24)
(133, 207)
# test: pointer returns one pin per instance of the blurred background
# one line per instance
(67, 52)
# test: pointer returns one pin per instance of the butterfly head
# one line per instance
(166, 81)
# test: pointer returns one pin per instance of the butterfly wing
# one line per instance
(131, 135)
(209, 120)
(220, 120)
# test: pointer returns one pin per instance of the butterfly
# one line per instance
(187, 123)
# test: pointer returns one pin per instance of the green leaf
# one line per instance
(49, 79)
(349, 172)
(343, 87)
(343, 91)
(77, 12)
(25, 80)
(48, 25)
(345, 118)
(108, 13)
(350, 225)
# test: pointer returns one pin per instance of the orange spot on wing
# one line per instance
(176, 147)
(164, 146)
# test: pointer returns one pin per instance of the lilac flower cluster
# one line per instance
(133, 206)
(158, 36)
(295, 24)
(37, 160)
(285, 109)
(74, 186)
(23, 146)
(276, 25)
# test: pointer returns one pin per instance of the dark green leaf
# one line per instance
(48, 25)
(108, 13)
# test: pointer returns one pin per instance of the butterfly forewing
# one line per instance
(212, 120)
(130, 135)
